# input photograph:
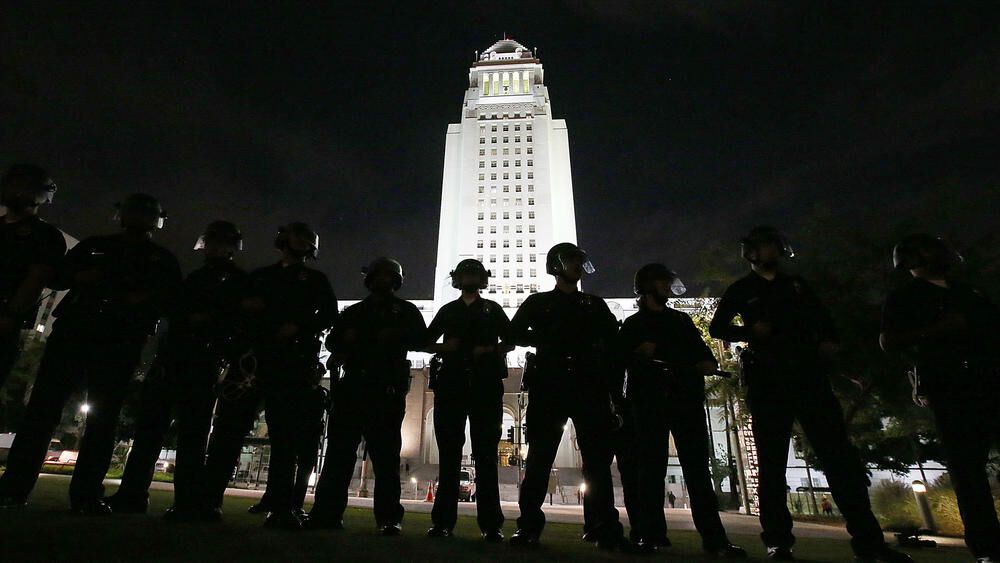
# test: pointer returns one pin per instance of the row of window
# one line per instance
(505, 83)
(506, 163)
(505, 127)
(495, 116)
(506, 229)
(506, 259)
(506, 215)
(506, 202)
(506, 244)
(506, 189)
(506, 151)
(517, 139)
(506, 176)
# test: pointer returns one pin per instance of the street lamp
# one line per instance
(923, 506)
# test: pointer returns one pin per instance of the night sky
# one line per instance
(688, 122)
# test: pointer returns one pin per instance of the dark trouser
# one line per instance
(774, 408)
(624, 446)
(98, 361)
(968, 426)
(377, 416)
(10, 349)
(549, 407)
(181, 391)
(234, 418)
(683, 415)
(482, 404)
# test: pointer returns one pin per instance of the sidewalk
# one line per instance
(677, 518)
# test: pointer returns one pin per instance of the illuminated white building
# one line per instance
(507, 189)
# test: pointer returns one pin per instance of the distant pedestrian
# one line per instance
(826, 506)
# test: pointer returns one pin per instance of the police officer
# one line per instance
(370, 341)
(573, 333)
(667, 361)
(469, 387)
(945, 329)
(119, 286)
(290, 306)
(790, 337)
(30, 252)
(181, 383)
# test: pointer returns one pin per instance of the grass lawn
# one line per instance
(45, 532)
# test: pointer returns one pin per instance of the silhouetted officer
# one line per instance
(945, 329)
(667, 361)
(469, 386)
(287, 306)
(119, 286)
(370, 341)
(30, 252)
(791, 336)
(180, 385)
(573, 333)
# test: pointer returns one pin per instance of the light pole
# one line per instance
(923, 506)
(413, 481)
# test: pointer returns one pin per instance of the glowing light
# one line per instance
(583, 488)
(919, 487)
(40, 328)
(85, 408)
(312, 479)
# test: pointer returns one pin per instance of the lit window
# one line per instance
(479, 230)
(493, 244)
(506, 163)
(531, 258)
(482, 152)
(493, 229)
(493, 129)
(531, 201)
(531, 215)
(520, 243)
(479, 244)
(531, 243)
(506, 244)
(531, 228)
(482, 164)
(482, 176)
(479, 216)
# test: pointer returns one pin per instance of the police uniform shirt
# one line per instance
(215, 290)
(480, 323)
(293, 293)
(563, 324)
(128, 267)
(23, 244)
(384, 328)
(799, 322)
(679, 344)
(918, 304)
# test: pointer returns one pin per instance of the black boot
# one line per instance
(390, 530)
(283, 520)
(780, 554)
(438, 532)
(92, 507)
(123, 503)
(524, 538)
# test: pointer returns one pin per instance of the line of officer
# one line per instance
(370, 341)
(181, 383)
(119, 287)
(667, 362)
(945, 330)
(790, 335)
(30, 253)
(573, 333)
(469, 387)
